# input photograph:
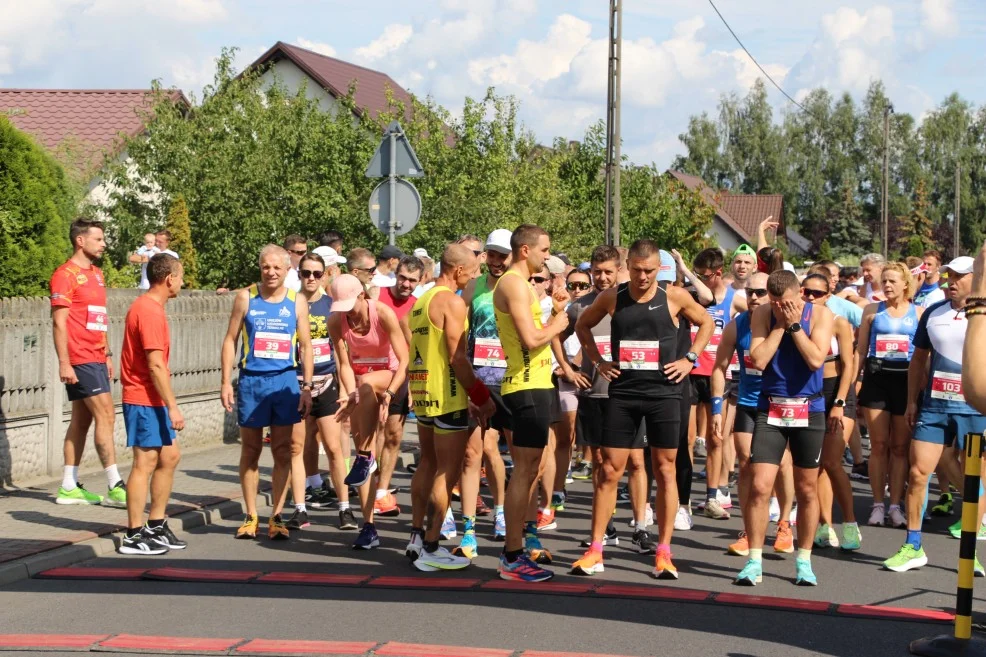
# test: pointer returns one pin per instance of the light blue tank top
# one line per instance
(892, 338)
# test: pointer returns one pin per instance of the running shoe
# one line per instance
(851, 538)
(977, 568)
(825, 536)
(141, 543)
(715, 511)
(623, 495)
(558, 501)
(481, 508)
(699, 449)
(249, 528)
(590, 564)
(347, 520)
(569, 479)
(648, 519)
(847, 458)
(276, 529)
(386, 506)
(725, 499)
(751, 575)
(537, 552)
(944, 506)
(907, 558)
(860, 471)
(499, 527)
(774, 510)
(683, 519)
(363, 467)
(804, 576)
(956, 531)
(610, 538)
(448, 526)
(741, 548)
(643, 542)
(322, 498)
(546, 521)
(663, 568)
(467, 547)
(367, 539)
(440, 559)
(878, 516)
(298, 520)
(523, 570)
(897, 519)
(582, 471)
(78, 495)
(415, 544)
(784, 541)
(116, 496)
(163, 536)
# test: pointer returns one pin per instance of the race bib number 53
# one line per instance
(640, 355)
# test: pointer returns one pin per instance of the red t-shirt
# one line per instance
(83, 292)
(400, 308)
(146, 329)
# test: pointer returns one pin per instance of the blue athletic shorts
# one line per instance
(943, 428)
(268, 400)
(148, 426)
(94, 379)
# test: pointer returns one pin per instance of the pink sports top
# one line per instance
(370, 352)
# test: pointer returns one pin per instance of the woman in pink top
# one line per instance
(372, 358)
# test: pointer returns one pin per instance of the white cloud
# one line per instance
(394, 36)
(181, 11)
(938, 17)
(320, 48)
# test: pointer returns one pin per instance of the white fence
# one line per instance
(34, 410)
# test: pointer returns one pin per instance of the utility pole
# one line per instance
(957, 239)
(613, 123)
(885, 206)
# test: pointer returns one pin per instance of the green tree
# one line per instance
(825, 250)
(915, 228)
(846, 231)
(180, 227)
(37, 204)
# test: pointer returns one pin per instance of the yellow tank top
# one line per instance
(526, 369)
(434, 388)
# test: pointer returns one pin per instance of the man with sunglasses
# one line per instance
(361, 264)
(297, 247)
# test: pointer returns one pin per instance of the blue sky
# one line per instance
(551, 54)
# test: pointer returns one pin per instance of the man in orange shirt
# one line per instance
(150, 410)
(79, 326)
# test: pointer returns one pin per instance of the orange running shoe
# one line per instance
(663, 568)
(386, 506)
(546, 521)
(785, 538)
(277, 530)
(590, 563)
(249, 527)
(741, 548)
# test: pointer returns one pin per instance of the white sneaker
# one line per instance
(775, 510)
(878, 515)
(448, 526)
(715, 511)
(648, 519)
(440, 559)
(415, 546)
(725, 499)
(897, 518)
(699, 449)
(683, 520)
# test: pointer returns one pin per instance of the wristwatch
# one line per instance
(307, 385)
(839, 403)
(793, 328)
(691, 357)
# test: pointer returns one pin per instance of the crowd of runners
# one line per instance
(525, 372)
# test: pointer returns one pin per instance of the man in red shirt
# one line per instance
(79, 326)
(399, 298)
(150, 410)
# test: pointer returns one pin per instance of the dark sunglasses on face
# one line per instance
(813, 294)
(756, 291)
(308, 273)
(299, 253)
(577, 286)
(538, 280)
(708, 276)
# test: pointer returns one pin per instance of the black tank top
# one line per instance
(637, 329)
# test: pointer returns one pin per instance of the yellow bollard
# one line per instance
(961, 642)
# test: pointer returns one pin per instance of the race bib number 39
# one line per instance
(96, 318)
(947, 386)
(640, 355)
(488, 353)
(272, 345)
(322, 349)
(890, 346)
(788, 413)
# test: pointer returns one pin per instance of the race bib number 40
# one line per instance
(640, 355)
(322, 349)
(788, 412)
(947, 386)
(96, 318)
(488, 353)
(272, 345)
(890, 346)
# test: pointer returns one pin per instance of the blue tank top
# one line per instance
(750, 378)
(318, 317)
(485, 349)
(789, 376)
(720, 316)
(269, 334)
(892, 338)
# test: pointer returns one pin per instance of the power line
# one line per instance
(754, 59)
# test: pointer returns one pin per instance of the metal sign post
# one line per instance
(394, 158)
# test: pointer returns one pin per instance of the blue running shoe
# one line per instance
(367, 539)
(448, 526)
(499, 527)
(536, 551)
(363, 467)
(805, 576)
(523, 570)
(752, 574)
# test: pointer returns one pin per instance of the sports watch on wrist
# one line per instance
(691, 357)
(839, 403)
(793, 328)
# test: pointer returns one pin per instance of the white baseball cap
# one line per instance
(960, 265)
(421, 253)
(555, 265)
(329, 255)
(499, 241)
(789, 267)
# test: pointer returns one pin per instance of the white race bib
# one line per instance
(788, 413)
(276, 346)
(488, 352)
(96, 319)
(947, 386)
(891, 346)
(322, 349)
(640, 355)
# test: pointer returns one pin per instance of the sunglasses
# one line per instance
(537, 280)
(477, 253)
(367, 269)
(300, 253)
(756, 291)
(577, 286)
(307, 273)
(708, 276)
(813, 294)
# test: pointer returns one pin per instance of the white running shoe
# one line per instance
(448, 526)
(683, 520)
(415, 546)
(775, 510)
(440, 559)
(897, 518)
(878, 516)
